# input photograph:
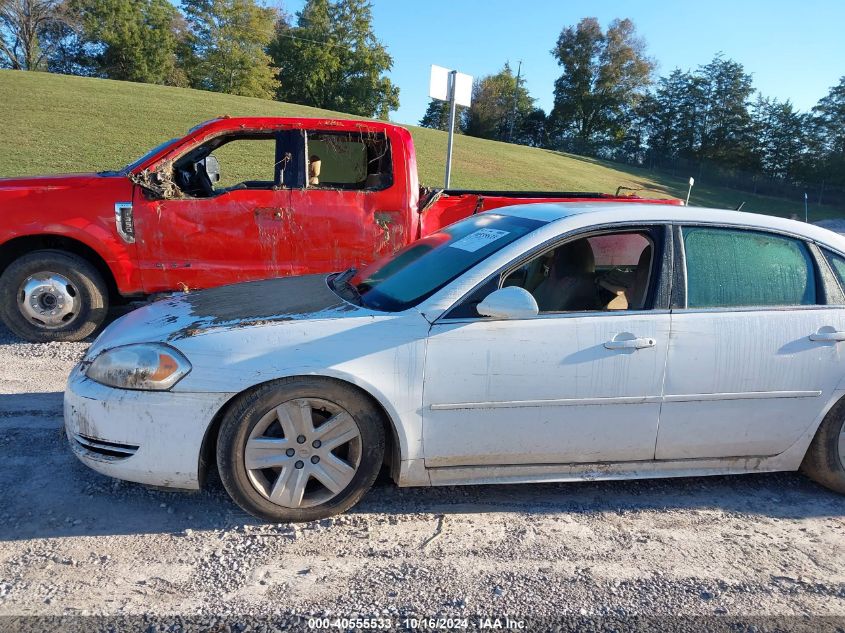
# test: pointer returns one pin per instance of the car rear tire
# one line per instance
(825, 459)
(52, 295)
(300, 449)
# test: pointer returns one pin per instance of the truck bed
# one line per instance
(441, 207)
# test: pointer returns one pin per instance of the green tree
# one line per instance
(605, 75)
(827, 136)
(532, 129)
(437, 116)
(669, 116)
(130, 40)
(332, 59)
(499, 107)
(703, 116)
(26, 27)
(226, 47)
(780, 137)
(727, 130)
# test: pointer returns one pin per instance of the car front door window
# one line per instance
(603, 272)
(571, 385)
(228, 163)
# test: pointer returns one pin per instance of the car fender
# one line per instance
(406, 433)
(791, 458)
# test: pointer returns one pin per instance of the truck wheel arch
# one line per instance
(18, 246)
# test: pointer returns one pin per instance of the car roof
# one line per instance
(608, 212)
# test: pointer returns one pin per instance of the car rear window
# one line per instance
(737, 268)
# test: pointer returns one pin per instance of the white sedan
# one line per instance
(537, 343)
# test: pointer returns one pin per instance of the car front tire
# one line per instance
(825, 459)
(300, 449)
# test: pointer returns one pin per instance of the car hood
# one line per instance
(46, 183)
(242, 305)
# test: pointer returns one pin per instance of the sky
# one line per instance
(793, 49)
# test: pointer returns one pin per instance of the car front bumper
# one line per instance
(151, 437)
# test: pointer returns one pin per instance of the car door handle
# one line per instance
(630, 343)
(828, 335)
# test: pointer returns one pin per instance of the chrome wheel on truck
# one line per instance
(52, 296)
(300, 449)
(49, 299)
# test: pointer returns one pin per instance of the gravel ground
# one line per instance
(761, 552)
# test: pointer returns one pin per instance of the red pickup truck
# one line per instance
(235, 199)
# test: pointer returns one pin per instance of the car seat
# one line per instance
(570, 283)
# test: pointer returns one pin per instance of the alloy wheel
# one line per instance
(303, 452)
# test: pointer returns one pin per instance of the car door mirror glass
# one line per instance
(511, 302)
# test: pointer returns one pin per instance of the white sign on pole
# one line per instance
(456, 88)
(438, 87)
(463, 89)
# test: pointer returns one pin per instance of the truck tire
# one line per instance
(300, 449)
(825, 459)
(52, 295)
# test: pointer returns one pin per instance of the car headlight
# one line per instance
(142, 366)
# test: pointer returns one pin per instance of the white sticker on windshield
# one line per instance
(478, 240)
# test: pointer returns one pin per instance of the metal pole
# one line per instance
(515, 103)
(689, 191)
(452, 77)
(806, 215)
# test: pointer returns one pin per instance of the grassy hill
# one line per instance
(57, 123)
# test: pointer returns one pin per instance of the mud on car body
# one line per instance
(535, 343)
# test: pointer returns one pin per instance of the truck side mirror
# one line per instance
(212, 168)
(511, 302)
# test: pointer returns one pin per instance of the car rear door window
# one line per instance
(738, 268)
(837, 262)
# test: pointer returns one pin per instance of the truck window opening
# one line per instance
(349, 160)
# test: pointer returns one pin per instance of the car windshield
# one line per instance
(402, 280)
(149, 154)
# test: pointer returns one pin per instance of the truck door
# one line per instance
(229, 219)
(349, 211)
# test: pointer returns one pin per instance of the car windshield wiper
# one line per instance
(340, 284)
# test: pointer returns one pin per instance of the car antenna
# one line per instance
(741, 204)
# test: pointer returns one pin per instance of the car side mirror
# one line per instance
(511, 302)
(212, 168)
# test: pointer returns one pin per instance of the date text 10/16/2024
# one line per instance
(414, 623)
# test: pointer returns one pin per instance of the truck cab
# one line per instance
(246, 199)
(236, 199)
